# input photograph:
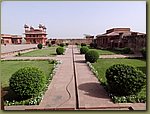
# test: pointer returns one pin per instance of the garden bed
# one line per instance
(10, 67)
(99, 68)
(44, 52)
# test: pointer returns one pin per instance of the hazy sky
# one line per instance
(72, 18)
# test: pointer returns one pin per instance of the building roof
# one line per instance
(10, 36)
(119, 31)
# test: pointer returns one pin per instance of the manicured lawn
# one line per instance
(45, 52)
(106, 52)
(103, 64)
(10, 67)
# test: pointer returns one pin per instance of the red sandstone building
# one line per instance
(11, 39)
(35, 36)
(120, 38)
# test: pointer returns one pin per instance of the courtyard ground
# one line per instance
(74, 87)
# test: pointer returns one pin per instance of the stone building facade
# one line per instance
(35, 36)
(120, 38)
(11, 39)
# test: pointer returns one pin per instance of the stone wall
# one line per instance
(72, 41)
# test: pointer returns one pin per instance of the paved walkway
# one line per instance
(13, 48)
(74, 87)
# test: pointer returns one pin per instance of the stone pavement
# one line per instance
(13, 48)
(74, 87)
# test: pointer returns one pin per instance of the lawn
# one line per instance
(45, 52)
(103, 51)
(106, 52)
(103, 64)
(10, 67)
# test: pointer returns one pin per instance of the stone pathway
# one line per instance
(74, 87)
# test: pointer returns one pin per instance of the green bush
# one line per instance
(62, 44)
(93, 45)
(27, 82)
(124, 80)
(83, 44)
(60, 50)
(76, 44)
(91, 56)
(49, 45)
(39, 46)
(143, 51)
(67, 44)
(84, 50)
(126, 50)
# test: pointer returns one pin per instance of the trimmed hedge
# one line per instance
(84, 50)
(83, 44)
(39, 46)
(62, 44)
(93, 45)
(27, 82)
(126, 50)
(143, 51)
(124, 80)
(60, 50)
(91, 56)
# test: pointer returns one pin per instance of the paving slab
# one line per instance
(13, 47)
(91, 93)
(61, 91)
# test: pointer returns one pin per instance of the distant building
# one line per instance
(11, 39)
(72, 41)
(120, 38)
(35, 36)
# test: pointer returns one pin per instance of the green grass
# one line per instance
(45, 52)
(10, 67)
(103, 64)
(106, 52)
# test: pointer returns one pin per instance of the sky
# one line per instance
(72, 19)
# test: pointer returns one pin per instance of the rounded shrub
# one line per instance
(124, 80)
(60, 50)
(62, 44)
(143, 51)
(91, 56)
(83, 44)
(91, 44)
(39, 46)
(84, 50)
(49, 45)
(126, 50)
(27, 82)
(76, 44)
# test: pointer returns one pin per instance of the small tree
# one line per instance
(143, 51)
(83, 44)
(39, 46)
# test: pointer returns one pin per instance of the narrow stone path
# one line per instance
(91, 93)
(61, 91)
